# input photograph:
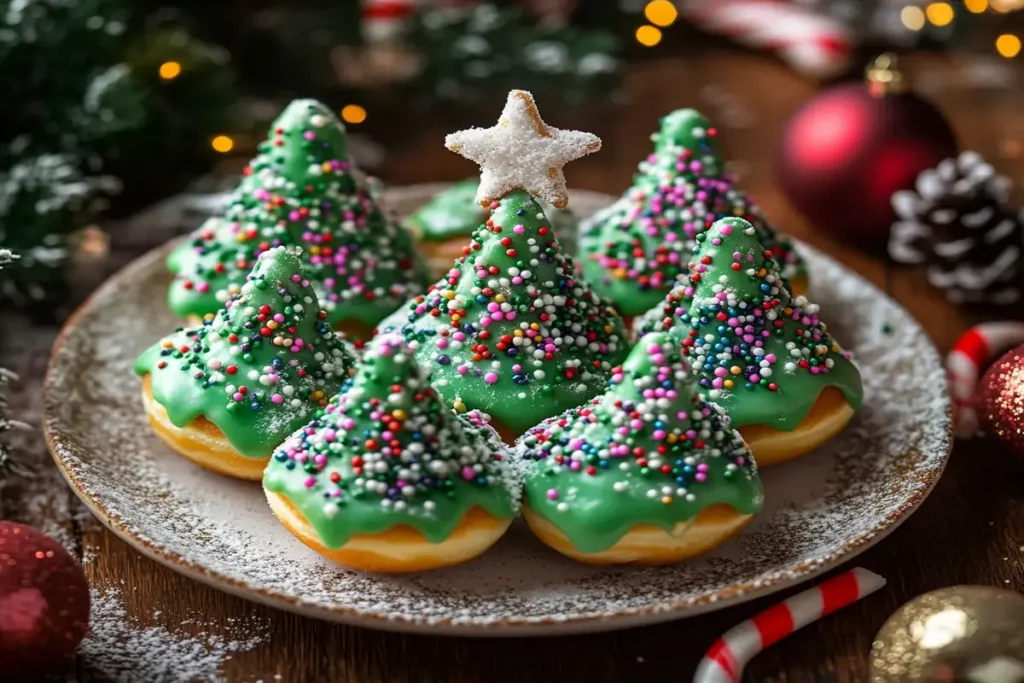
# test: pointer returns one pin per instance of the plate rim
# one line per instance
(659, 612)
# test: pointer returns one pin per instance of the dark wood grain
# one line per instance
(971, 530)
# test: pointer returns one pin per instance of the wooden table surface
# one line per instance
(971, 529)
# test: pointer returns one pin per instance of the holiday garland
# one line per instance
(471, 52)
(7, 462)
(89, 110)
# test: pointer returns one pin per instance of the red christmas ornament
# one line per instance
(846, 151)
(1000, 400)
(44, 603)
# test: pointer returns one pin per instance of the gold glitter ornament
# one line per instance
(962, 633)
(1000, 400)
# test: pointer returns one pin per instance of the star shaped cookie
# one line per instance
(522, 152)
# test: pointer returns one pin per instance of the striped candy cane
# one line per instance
(810, 42)
(384, 19)
(726, 658)
(971, 353)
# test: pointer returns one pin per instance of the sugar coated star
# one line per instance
(522, 153)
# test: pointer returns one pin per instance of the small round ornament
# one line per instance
(44, 603)
(844, 153)
(962, 633)
(1000, 400)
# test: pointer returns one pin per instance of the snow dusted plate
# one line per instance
(821, 510)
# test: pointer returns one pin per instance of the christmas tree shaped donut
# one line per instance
(634, 251)
(189, 257)
(762, 355)
(302, 190)
(444, 225)
(647, 473)
(511, 330)
(226, 393)
(387, 478)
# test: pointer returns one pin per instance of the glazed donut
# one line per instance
(648, 473)
(635, 251)
(762, 355)
(446, 223)
(647, 544)
(510, 330)
(798, 284)
(226, 393)
(303, 191)
(828, 416)
(387, 478)
(400, 549)
(441, 254)
(200, 441)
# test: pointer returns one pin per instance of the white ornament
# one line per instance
(522, 153)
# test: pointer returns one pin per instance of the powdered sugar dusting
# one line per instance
(819, 510)
(125, 652)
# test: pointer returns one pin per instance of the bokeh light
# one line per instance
(1008, 45)
(940, 13)
(912, 17)
(976, 6)
(222, 144)
(169, 70)
(353, 113)
(661, 12)
(648, 36)
(1007, 5)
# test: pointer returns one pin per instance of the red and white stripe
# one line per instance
(382, 20)
(725, 660)
(971, 354)
(810, 42)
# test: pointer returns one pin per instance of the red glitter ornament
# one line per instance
(1000, 400)
(44, 603)
(846, 152)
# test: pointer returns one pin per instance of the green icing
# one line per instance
(510, 330)
(760, 354)
(302, 190)
(634, 251)
(682, 129)
(387, 451)
(261, 367)
(648, 451)
(451, 213)
(187, 257)
(454, 213)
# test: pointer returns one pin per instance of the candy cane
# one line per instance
(975, 349)
(384, 19)
(726, 658)
(810, 42)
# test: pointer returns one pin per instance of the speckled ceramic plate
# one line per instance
(821, 510)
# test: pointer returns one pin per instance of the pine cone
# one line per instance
(956, 222)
